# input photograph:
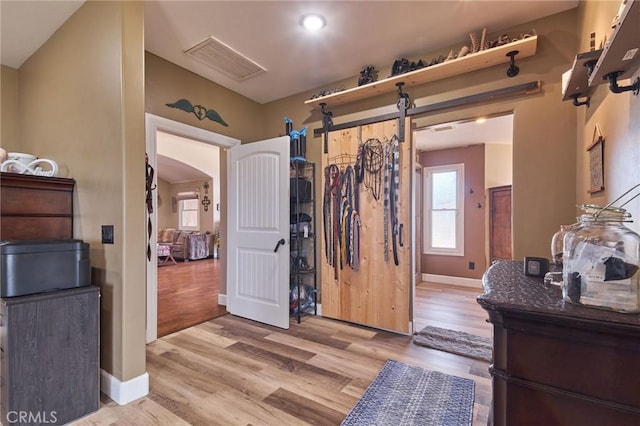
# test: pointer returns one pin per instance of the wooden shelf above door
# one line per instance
(622, 52)
(471, 62)
(578, 84)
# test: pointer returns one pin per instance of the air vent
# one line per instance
(441, 128)
(217, 55)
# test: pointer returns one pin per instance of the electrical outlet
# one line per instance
(107, 234)
(472, 265)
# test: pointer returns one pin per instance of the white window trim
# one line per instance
(427, 171)
(187, 196)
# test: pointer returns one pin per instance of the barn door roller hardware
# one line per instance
(492, 95)
(513, 69)
(613, 83)
(327, 123)
(402, 104)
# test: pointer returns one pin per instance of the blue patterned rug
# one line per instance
(402, 394)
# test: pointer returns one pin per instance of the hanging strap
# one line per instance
(359, 175)
(335, 213)
(385, 217)
(395, 186)
(326, 215)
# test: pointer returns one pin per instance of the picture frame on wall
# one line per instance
(596, 162)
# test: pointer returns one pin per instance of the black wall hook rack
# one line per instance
(327, 123)
(577, 103)
(513, 70)
(613, 83)
(403, 105)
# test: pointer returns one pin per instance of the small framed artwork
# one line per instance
(174, 205)
(596, 162)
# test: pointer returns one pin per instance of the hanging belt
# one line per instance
(395, 186)
(385, 218)
(359, 174)
(326, 215)
(335, 201)
(355, 241)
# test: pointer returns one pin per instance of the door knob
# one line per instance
(278, 244)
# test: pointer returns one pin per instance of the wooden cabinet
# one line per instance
(49, 356)
(555, 363)
(35, 207)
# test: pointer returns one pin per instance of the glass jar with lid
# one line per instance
(601, 257)
(557, 245)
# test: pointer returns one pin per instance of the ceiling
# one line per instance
(357, 34)
(174, 171)
(491, 130)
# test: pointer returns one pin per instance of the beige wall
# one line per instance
(82, 104)
(498, 165)
(9, 138)
(165, 216)
(474, 213)
(616, 114)
(166, 83)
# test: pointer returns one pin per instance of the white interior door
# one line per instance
(258, 231)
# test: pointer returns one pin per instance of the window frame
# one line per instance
(182, 197)
(427, 173)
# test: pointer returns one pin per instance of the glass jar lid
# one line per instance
(606, 213)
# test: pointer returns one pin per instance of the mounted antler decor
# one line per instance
(198, 110)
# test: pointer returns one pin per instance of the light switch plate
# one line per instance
(107, 234)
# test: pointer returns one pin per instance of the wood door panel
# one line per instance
(378, 294)
(500, 223)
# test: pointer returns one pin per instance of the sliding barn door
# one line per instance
(378, 293)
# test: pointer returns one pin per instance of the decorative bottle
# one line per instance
(557, 245)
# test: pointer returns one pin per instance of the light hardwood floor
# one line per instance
(231, 371)
(188, 294)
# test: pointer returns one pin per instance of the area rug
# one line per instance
(456, 342)
(403, 394)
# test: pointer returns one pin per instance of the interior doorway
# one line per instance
(482, 150)
(154, 126)
(188, 218)
(500, 223)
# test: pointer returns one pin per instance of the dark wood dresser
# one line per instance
(49, 356)
(555, 363)
(49, 342)
(35, 207)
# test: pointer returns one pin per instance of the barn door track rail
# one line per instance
(404, 111)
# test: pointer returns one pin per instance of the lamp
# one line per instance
(312, 22)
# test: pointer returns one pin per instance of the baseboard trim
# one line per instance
(222, 299)
(460, 281)
(124, 392)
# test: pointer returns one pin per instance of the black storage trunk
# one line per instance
(37, 266)
(300, 189)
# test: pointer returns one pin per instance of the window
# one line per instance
(188, 211)
(444, 210)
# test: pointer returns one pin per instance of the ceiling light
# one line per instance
(312, 22)
(481, 120)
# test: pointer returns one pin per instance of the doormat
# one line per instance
(456, 342)
(403, 394)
